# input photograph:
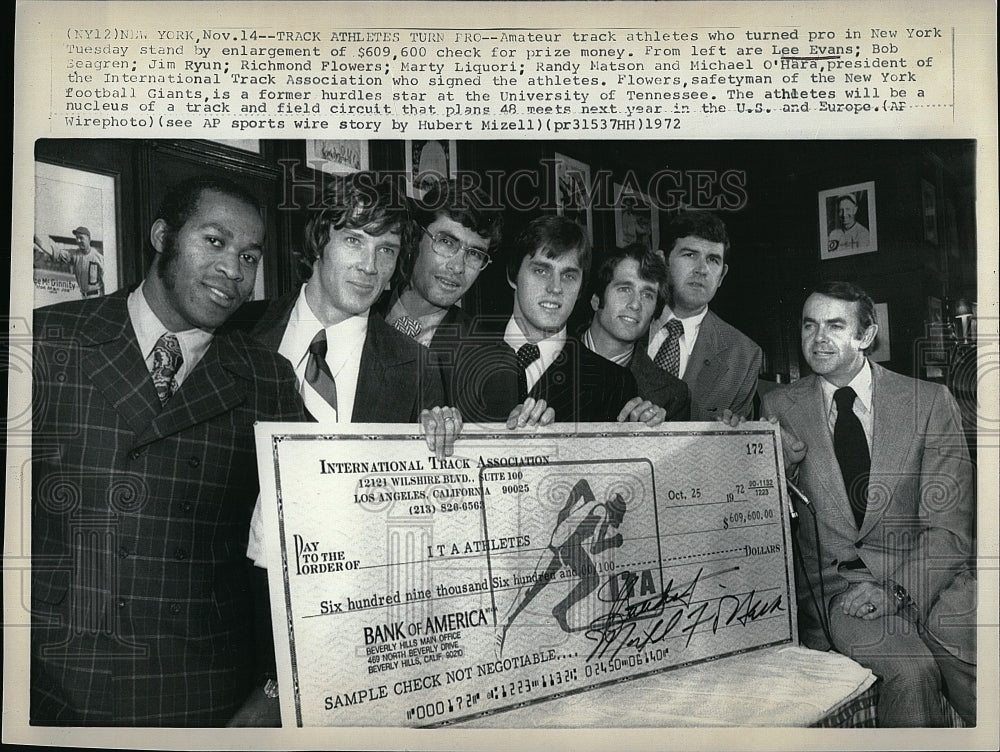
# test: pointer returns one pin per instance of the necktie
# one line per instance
(318, 374)
(851, 448)
(527, 355)
(408, 326)
(668, 357)
(167, 360)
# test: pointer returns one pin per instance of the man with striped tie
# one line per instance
(718, 363)
(143, 479)
(350, 366)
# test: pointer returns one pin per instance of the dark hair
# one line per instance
(851, 293)
(360, 200)
(552, 237)
(652, 268)
(467, 205)
(182, 200)
(699, 224)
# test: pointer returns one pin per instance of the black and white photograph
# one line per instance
(433, 302)
(503, 376)
(337, 155)
(428, 161)
(573, 195)
(74, 249)
(637, 219)
(847, 221)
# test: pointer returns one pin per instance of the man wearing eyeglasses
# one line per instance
(458, 233)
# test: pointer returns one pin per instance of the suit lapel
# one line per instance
(889, 448)
(271, 327)
(381, 381)
(111, 359)
(703, 352)
(209, 390)
(810, 420)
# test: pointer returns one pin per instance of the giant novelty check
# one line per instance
(412, 591)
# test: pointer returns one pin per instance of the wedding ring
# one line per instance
(447, 418)
(871, 608)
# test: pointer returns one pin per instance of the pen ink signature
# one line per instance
(640, 623)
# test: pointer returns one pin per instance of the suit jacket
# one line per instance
(722, 370)
(140, 602)
(452, 335)
(579, 385)
(396, 380)
(658, 386)
(917, 529)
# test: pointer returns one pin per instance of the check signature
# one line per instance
(638, 623)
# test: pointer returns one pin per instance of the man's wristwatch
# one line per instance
(904, 603)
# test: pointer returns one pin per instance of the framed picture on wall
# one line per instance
(847, 223)
(75, 248)
(428, 161)
(251, 145)
(573, 192)
(337, 156)
(637, 220)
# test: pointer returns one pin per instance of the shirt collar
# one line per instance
(861, 384)
(148, 329)
(428, 322)
(303, 325)
(549, 347)
(623, 358)
(692, 324)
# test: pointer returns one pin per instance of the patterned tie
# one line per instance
(668, 357)
(318, 374)
(408, 326)
(527, 355)
(167, 360)
(851, 448)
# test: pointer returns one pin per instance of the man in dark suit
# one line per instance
(351, 366)
(718, 363)
(884, 463)
(629, 290)
(457, 234)
(143, 479)
(533, 363)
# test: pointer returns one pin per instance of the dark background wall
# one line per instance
(774, 224)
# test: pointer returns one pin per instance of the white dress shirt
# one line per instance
(344, 343)
(549, 348)
(658, 334)
(148, 328)
(862, 386)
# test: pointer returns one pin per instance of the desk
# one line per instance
(787, 686)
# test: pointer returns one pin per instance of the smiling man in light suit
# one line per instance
(884, 463)
(718, 363)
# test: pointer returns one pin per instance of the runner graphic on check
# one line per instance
(582, 520)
